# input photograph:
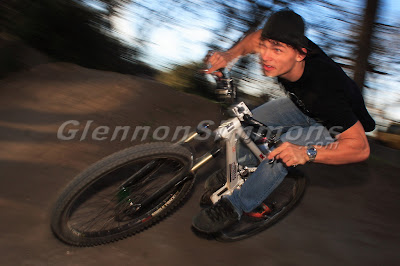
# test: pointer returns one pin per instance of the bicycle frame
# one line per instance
(230, 132)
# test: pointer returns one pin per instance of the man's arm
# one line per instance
(351, 146)
(248, 45)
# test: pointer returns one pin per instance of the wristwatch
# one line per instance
(311, 152)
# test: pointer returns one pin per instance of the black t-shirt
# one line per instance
(325, 93)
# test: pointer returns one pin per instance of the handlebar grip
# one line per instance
(222, 71)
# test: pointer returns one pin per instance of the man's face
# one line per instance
(280, 60)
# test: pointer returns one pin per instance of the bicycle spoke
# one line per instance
(104, 210)
(105, 202)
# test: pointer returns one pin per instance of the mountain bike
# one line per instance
(133, 189)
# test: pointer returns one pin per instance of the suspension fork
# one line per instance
(176, 180)
(206, 157)
(145, 170)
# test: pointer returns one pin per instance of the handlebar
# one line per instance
(224, 73)
(225, 89)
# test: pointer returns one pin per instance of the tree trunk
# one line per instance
(364, 44)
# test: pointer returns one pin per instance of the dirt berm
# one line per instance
(348, 216)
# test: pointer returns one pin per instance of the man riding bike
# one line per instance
(323, 120)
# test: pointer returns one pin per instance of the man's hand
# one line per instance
(290, 154)
(217, 60)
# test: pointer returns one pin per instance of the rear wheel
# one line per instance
(123, 194)
(249, 226)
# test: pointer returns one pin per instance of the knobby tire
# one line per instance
(100, 205)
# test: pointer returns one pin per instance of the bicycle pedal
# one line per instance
(260, 212)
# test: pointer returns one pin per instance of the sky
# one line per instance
(182, 44)
(168, 44)
(392, 7)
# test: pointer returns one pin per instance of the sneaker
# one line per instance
(212, 184)
(216, 218)
(205, 200)
(216, 180)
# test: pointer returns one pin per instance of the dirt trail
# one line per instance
(349, 215)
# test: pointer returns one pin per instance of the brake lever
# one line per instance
(277, 144)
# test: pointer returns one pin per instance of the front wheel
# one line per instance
(123, 194)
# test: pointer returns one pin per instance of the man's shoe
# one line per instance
(216, 218)
(205, 200)
(212, 184)
(216, 180)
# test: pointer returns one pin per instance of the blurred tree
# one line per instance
(364, 45)
(241, 17)
(334, 23)
(346, 41)
(187, 78)
(114, 6)
(69, 31)
(337, 35)
(237, 18)
(52, 26)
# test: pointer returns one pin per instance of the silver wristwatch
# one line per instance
(311, 152)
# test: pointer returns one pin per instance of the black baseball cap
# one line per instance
(286, 26)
